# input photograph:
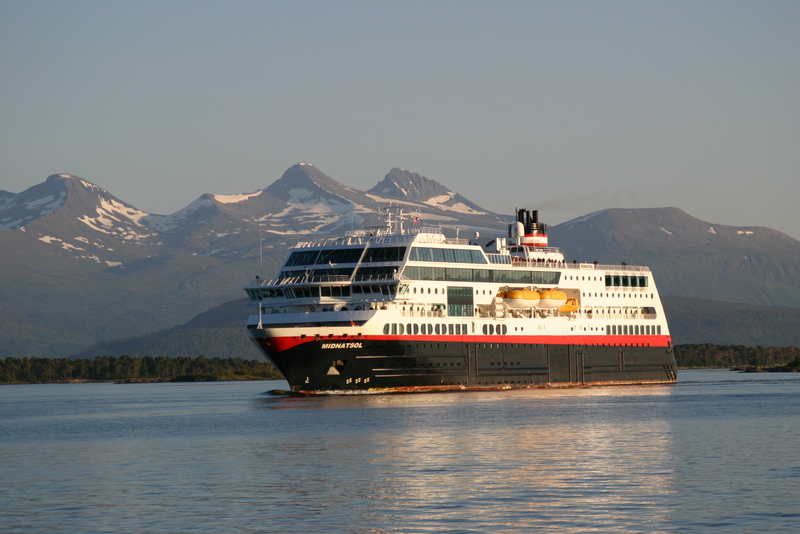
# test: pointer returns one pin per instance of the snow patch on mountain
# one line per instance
(308, 216)
(114, 218)
(50, 240)
(440, 202)
(386, 200)
(34, 208)
(233, 199)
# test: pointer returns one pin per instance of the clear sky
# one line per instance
(565, 106)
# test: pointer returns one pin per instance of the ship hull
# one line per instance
(374, 365)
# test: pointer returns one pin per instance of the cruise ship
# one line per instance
(403, 308)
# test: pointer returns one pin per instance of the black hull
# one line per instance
(320, 366)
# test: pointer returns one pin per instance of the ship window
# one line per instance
(385, 254)
(446, 255)
(480, 275)
(386, 328)
(658, 327)
(376, 273)
(341, 255)
(499, 258)
(450, 329)
(303, 257)
(459, 301)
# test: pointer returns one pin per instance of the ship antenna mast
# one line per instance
(261, 252)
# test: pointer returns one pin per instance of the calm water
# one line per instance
(718, 452)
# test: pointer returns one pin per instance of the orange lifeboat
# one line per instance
(552, 298)
(570, 307)
(520, 298)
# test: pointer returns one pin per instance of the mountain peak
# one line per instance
(407, 185)
(64, 207)
(62, 176)
(303, 184)
(412, 187)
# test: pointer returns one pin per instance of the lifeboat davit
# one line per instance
(552, 298)
(570, 307)
(520, 298)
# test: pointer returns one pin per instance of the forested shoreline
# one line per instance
(185, 369)
(129, 369)
(738, 357)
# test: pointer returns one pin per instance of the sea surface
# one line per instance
(718, 452)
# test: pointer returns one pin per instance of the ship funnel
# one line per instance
(535, 234)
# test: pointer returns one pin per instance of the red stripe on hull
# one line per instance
(279, 344)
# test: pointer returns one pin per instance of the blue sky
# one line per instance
(568, 107)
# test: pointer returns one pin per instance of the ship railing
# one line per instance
(629, 315)
(584, 266)
(422, 313)
(302, 280)
(606, 267)
(325, 278)
(376, 277)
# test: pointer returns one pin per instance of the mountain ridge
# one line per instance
(84, 267)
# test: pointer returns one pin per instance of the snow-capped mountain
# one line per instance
(414, 189)
(313, 202)
(79, 266)
(80, 218)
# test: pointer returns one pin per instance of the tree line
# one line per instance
(130, 369)
(709, 355)
(161, 368)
